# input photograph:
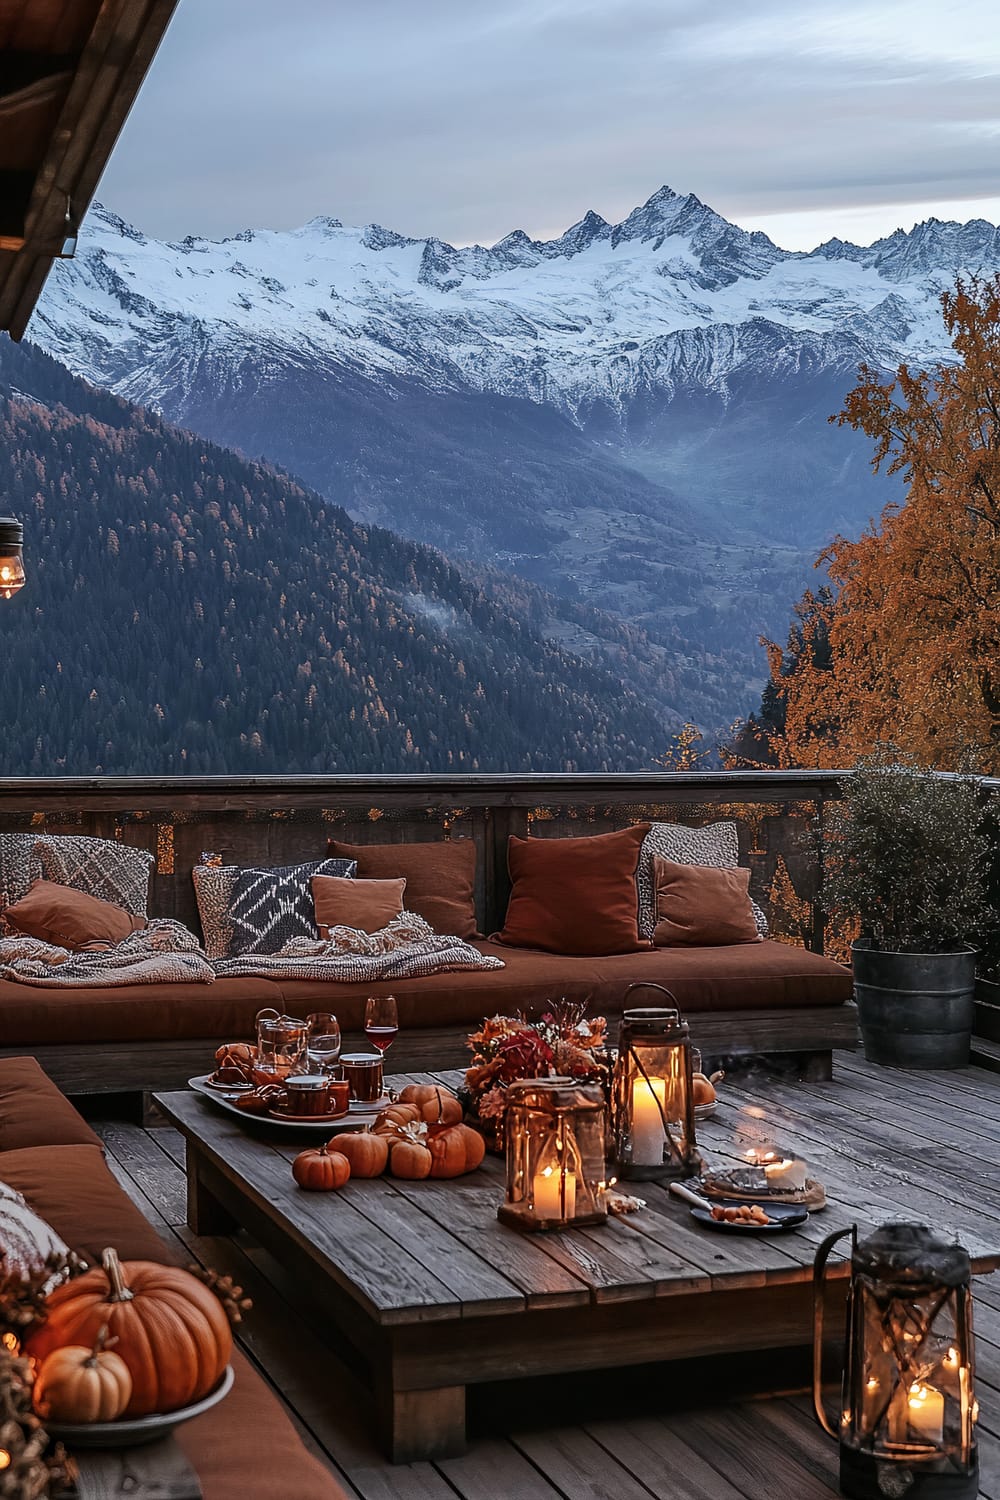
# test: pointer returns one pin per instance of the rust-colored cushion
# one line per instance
(32, 1015)
(73, 1190)
(368, 905)
(33, 1112)
(440, 878)
(70, 918)
(698, 906)
(237, 1447)
(575, 895)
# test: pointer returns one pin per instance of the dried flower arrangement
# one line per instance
(563, 1043)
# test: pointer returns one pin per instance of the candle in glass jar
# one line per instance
(648, 1134)
(547, 1194)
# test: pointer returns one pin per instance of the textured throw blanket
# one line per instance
(164, 952)
(407, 949)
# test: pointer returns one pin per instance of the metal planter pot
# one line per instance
(916, 1009)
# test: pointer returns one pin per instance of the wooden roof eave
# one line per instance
(110, 71)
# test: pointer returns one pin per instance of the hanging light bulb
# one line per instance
(11, 557)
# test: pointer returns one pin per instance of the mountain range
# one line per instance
(187, 610)
(633, 415)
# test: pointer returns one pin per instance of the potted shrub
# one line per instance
(907, 856)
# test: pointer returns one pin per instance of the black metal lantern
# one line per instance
(653, 1096)
(908, 1404)
(555, 1154)
(11, 557)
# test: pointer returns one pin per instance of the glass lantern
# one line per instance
(653, 1097)
(11, 557)
(555, 1154)
(908, 1407)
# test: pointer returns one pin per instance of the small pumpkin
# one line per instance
(77, 1384)
(455, 1150)
(320, 1170)
(390, 1119)
(170, 1329)
(409, 1153)
(436, 1106)
(367, 1153)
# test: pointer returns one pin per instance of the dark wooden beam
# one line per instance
(113, 63)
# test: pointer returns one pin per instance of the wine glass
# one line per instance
(323, 1048)
(381, 1021)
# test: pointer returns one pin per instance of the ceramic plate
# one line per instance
(128, 1431)
(227, 1088)
(349, 1121)
(702, 1111)
(282, 1114)
(783, 1216)
(366, 1107)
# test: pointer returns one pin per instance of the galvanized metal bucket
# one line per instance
(915, 1009)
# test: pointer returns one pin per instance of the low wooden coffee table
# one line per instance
(436, 1294)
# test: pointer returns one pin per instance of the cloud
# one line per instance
(466, 121)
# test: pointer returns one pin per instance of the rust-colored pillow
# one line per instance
(70, 918)
(575, 895)
(698, 906)
(440, 878)
(368, 905)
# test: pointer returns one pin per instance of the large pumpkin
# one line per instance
(171, 1330)
(455, 1149)
(436, 1106)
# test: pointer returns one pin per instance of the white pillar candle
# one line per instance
(547, 1195)
(925, 1406)
(648, 1134)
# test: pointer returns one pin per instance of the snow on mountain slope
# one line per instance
(597, 314)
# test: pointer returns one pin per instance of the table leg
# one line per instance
(423, 1424)
(205, 1214)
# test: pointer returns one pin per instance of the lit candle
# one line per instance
(547, 1195)
(786, 1172)
(648, 1134)
(925, 1406)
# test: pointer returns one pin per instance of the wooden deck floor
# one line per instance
(670, 1432)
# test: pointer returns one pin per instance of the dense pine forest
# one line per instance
(188, 611)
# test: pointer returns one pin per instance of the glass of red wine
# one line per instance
(381, 1021)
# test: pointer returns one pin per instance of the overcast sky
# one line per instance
(468, 118)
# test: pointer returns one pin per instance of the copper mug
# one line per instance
(363, 1071)
(308, 1094)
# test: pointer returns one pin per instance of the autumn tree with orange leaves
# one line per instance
(906, 646)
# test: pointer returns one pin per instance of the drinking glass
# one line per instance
(323, 1049)
(281, 1044)
(381, 1021)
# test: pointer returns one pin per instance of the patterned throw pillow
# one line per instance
(716, 845)
(213, 891)
(27, 1239)
(103, 868)
(270, 907)
(18, 868)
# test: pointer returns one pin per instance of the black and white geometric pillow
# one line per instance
(267, 908)
(716, 845)
(103, 868)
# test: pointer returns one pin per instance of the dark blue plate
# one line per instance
(783, 1216)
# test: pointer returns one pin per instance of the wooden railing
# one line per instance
(281, 819)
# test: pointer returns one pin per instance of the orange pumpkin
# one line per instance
(436, 1106)
(455, 1150)
(703, 1089)
(388, 1120)
(410, 1158)
(170, 1329)
(367, 1153)
(77, 1384)
(320, 1170)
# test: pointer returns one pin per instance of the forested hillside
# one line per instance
(189, 611)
